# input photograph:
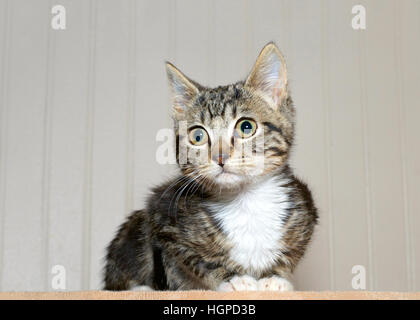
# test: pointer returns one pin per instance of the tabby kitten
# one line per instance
(232, 220)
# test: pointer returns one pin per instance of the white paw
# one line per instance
(239, 283)
(274, 283)
(141, 288)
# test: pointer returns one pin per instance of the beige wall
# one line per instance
(80, 109)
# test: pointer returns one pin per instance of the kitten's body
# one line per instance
(223, 226)
(204, 246)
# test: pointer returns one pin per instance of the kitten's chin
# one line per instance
(228, 179)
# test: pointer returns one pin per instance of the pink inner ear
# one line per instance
(277, 92)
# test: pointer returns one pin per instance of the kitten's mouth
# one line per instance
(226, 173)
(223, 170)
(226, 177)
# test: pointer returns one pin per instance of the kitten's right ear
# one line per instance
(269, 75)
(183, 89)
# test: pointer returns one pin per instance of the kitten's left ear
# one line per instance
(269, 75)
(183, 89)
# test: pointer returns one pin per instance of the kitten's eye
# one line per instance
(246, 128)
(198, 136)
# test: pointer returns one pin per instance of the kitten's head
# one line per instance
(230, 135)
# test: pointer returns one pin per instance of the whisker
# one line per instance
(180, 194)
(196, 182)
(174, 196)
(173, 184)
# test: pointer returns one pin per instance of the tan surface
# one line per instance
(209, 295)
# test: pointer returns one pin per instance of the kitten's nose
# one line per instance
(220, 159)
(220, 152)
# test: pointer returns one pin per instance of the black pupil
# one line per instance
(246, 127)
(198, 135)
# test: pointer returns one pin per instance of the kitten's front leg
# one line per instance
(239, 283)
(274, 283)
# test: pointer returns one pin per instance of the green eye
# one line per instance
(198, 136)
(246, 128)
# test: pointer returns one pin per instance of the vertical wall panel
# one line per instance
(192, 48)
(23, 266)
(408, 44)
(4, 77)
(384, 134)
(305, 81)
(46, 146)
(268, 20)
(109, 136)
(88, 148)
(131, 104)
(230, 45)
(68, 137)
(367, 165)
(345, 141)
(155, 45)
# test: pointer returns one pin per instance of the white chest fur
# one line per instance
(253, 223)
